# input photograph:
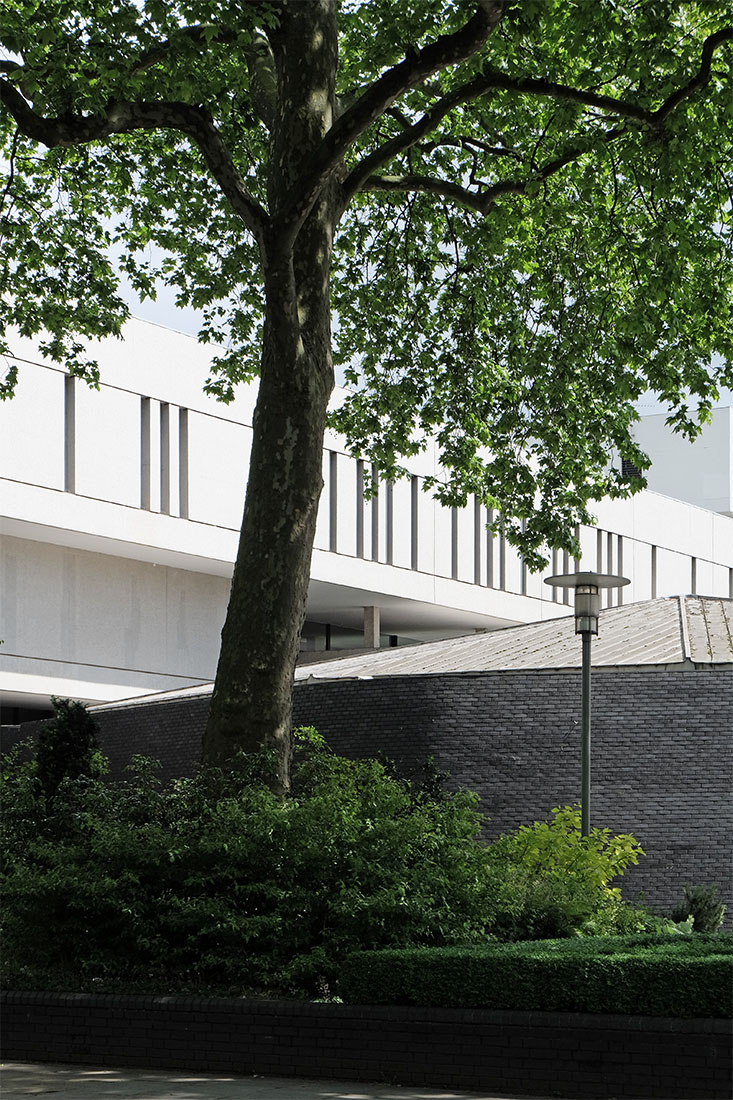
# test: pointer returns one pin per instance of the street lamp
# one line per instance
(587, 607)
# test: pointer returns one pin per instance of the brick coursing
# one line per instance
(567, 1054)
(662, 751)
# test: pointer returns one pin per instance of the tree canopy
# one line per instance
(517, 213)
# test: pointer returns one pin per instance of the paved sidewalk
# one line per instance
(23, 1079)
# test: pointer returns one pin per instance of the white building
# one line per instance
(120, 511)
(699, 472)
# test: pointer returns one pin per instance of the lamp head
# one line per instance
(587, 587)
(587, 608)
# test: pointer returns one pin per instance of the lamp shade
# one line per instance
(587, 587)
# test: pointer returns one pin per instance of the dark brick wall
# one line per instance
(568, 1054)
(662, 751)
(170, 732)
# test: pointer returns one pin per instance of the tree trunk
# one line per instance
(251, 704)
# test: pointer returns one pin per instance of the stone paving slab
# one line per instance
(20, 1080)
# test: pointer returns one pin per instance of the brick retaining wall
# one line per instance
(561, 1054)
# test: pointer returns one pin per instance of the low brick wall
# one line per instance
(560, 1054)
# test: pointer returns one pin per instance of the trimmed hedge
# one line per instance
(649, 975)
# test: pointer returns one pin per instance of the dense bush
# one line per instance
(653, 975)
(217, 883)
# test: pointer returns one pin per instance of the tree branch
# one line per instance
(161, 50)
(698, 81)
(431, 186)
(472, 144)
(445, 51)
(481, 201)
(258, 62)
(71, 130)
(497, 81)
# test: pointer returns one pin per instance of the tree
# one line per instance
(517, 210)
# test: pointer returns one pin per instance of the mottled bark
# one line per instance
(251, 705)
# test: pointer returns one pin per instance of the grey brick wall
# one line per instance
(566, 1054)
(662, 752)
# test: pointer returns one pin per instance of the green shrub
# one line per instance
(646, 975)
(67, 747)
(551, 881)
(703, 905)
(216, 883)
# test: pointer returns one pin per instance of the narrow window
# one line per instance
(333, 487)
(414, 522)
(70, 434)
(183, 462)
(390, 523)
(165, 458)
(360, 509)
(375, 514)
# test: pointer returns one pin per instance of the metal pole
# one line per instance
(585, 744)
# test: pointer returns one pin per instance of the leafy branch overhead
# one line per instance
(504, 219)
(531, 205)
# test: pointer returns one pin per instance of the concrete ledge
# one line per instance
(565, 1054)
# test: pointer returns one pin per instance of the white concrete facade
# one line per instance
(700, 472)
(119, 518)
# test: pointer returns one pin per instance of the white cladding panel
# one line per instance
(218, 461)
(638, 567)
(107, 431)
(700, 472)
(345, 502)
(73, 606)
(32, 428)
(462, 560)
(512, 569)
(322, 523)
(674, 573)
(442, 536)
(704, 577)
(721, 578)
(402, 515)
(425, 531)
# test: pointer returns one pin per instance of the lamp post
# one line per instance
(587, 608)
